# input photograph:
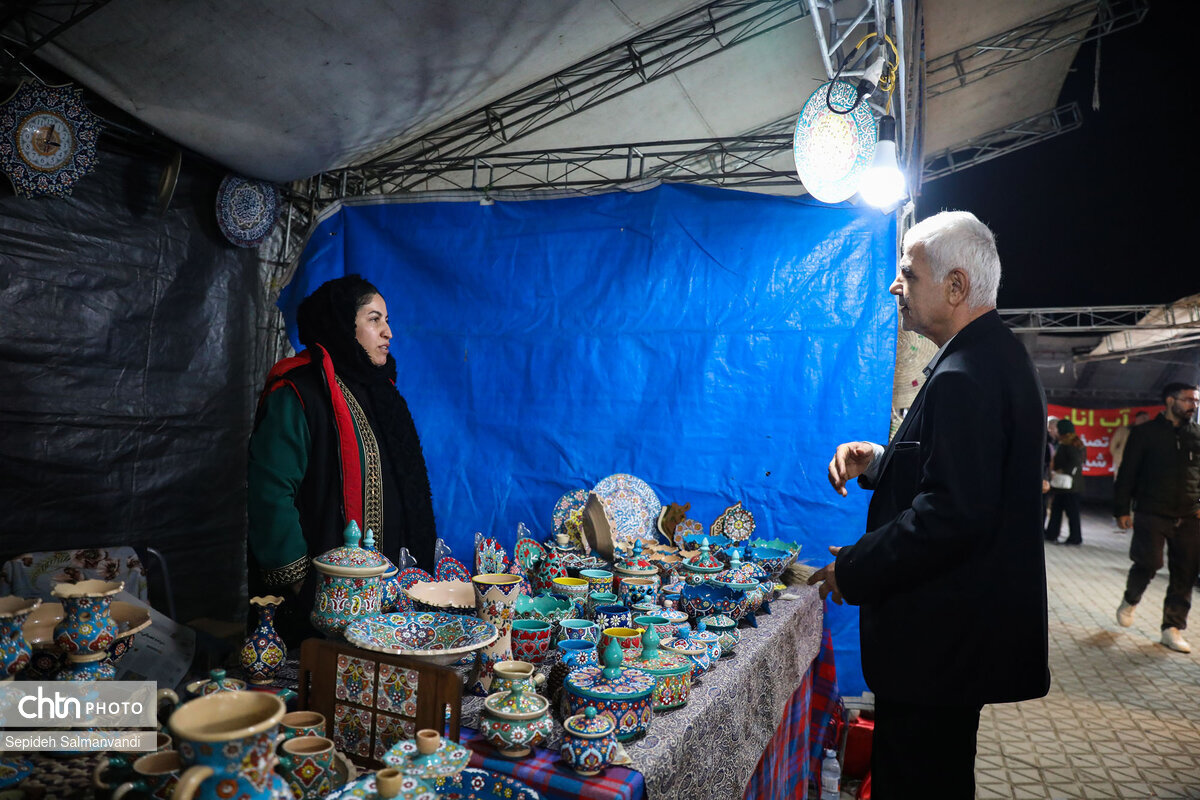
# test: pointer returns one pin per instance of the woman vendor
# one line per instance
(333, 441)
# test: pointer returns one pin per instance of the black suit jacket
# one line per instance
(950, 576)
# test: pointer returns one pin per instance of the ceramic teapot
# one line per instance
(348, 587)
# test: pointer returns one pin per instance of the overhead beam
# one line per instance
(642, 59)
(31, 24)
(1100, 319)
(1002, 141)
(1075, 24)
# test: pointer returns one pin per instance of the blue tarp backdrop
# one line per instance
(716, 344)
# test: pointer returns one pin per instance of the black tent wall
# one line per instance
(128, 377)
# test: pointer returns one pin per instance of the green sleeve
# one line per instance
(279, 450)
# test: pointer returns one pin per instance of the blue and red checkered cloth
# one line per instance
(544, 771)
(796, 749)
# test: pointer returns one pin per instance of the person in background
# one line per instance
(1159, 481)
(1051, 440)
(1116, 444)
(1066, 482)
(333, 442)
(950, 576)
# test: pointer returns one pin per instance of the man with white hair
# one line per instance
(950, 576)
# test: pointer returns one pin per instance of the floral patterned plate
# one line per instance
(433, 636)
(528, 554)
(632, 506)
(490, 557)
(470, 784)
(571, 501)
(737, 523)
(407, 578)
(451, 569)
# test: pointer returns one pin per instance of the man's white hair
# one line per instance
(957, 239)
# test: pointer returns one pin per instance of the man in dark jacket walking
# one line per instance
(1160, 476)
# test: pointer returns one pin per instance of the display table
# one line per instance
(746, 724)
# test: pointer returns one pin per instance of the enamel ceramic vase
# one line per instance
(348, 587)
(87, 626)
(226, 742)
(14, 650)
(495, 597)
(264, 651)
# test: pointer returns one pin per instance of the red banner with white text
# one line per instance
(1095, 426)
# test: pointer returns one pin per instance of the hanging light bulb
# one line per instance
(883, 185)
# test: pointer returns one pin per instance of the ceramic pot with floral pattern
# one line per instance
(623, 694)
(495, 596)
(87, 625)
(348, 586)
(515, 721)
(264, 651)
(14, 650)
(589, 742)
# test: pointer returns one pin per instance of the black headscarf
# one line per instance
(326, 317)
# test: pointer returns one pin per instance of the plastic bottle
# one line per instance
(831, 776)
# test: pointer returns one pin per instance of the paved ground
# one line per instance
(1122, 719)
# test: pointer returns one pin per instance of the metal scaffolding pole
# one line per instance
(1101, 319)
(1002, 141)
(30, 24)
(1077, 23)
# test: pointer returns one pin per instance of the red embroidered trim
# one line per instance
(352, 490)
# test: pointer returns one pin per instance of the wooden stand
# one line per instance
(368, 698)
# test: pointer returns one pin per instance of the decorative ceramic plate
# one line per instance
(515, 569)
(448, 759)
(632, 506)
(528, 554)
(738, 523)
(689, 527)
(451, 569)
(571, 501)
(490, 557)
(833, 150)
(246, 210)
(430, 635)
(470, 784)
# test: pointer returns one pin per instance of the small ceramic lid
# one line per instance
(704, 560)
(701, 633)
(659, 662)
(443, 758)
(636, 562)
(590, 724)
(516, 704)
(611, 682)
(350, 559)
(673, 615)
(719, 622)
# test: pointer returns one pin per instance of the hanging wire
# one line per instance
(887, 80)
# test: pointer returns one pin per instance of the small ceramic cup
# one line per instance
(574, 588)
(531, 640)
(508, 674)
(596, 599)
(630, 640)
(302, 723)
(306, 763)
(599, 580)
(578, 629)
(154, 775)
(638, 590)
(613, 616)
(576, 653)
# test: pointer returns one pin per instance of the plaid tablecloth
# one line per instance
(795, 750)
(544, 771)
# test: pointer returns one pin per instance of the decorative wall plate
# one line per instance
(490, 557)
(689, 527)
(528, 554)
(737, 523)
(246, 210)
(575, 499)
(412, 575)
(47, 139)
(632, 506)
(833, 150)
(451, 569)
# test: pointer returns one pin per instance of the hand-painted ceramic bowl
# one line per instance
(703, 600)
(772, 560)
(614, 616)
(454, 597)
(542, 607)
(427, 635)
(531, 639)
(578, 629)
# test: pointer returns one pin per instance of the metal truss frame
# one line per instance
(32, 17)
(840, 24)
(1100, 319)
(1002, 141)
(1075, 24)
(642, 59)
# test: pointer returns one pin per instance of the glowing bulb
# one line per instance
(883, 185)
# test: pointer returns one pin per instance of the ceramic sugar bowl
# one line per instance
(726, 630)
(672, 672)
(515, 721)
(624, 694)
(635, 565)
(589, 742)
(701, 566)
(348, 587)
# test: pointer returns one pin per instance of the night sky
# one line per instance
(1101, 215)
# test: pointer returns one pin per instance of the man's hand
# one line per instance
(849, 461)
(1125, 522)
(825, 575)
(1045, 486)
